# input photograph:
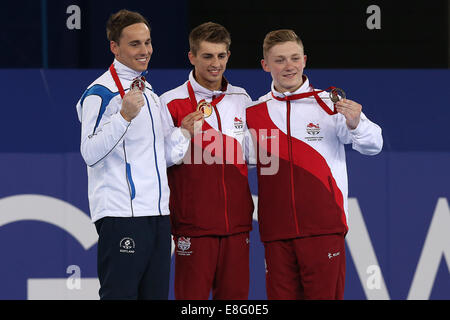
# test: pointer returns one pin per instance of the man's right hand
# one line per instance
(192, 123)
(132, 103)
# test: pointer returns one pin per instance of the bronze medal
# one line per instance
(337, 94)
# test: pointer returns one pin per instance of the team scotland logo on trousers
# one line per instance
(127, 245)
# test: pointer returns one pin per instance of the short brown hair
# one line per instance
(120, 20)
(279, 36)
(210, 32)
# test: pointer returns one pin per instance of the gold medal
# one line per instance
(205, 107)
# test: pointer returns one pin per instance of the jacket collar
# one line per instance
(125, 72)
(199, 89)
(305, 87)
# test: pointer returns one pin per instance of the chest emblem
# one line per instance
(238, 124)
(313, 131)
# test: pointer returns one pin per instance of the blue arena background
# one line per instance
(398, 246)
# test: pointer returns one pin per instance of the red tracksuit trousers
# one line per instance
(310, 268)
(217, 263)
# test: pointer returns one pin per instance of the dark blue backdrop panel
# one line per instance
(47, 41)
(412, 106)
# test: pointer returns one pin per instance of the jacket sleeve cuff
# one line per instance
(122, 120)
(360, 129)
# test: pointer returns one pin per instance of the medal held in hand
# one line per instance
(205, 107)
(138, 83)
(337, 94)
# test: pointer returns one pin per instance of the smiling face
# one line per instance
(134, 48)
(210, 62)
(285, 62)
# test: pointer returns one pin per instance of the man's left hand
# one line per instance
(351, 110)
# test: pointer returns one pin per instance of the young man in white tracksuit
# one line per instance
(127, 142)
(302, 206)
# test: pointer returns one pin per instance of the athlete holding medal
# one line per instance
(302, 208)
(127, 141)
(210, 201)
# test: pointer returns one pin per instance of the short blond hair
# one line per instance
(280, 36)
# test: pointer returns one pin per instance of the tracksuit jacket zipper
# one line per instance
(128, 178)
(223, 168)
(291, 165)
(154, 151)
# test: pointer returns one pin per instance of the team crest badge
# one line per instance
(183, 245)
(127, 245)
(238, 124)
(312, 128)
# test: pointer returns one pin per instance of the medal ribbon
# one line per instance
(308, 94)
(194, 100)
(116, 80)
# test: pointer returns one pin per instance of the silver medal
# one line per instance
(138, 83)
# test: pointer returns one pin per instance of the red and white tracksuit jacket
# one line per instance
(209, 191)
(307, 195)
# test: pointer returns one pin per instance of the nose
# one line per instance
(289, 64)
(146, 49)
(215, 61)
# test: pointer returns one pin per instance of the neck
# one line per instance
(283, 90)
(124, 64)
(213, 86)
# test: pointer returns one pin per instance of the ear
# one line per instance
(191, 57)
(229, 53)
(265, 66)
(114, 46)
(304, 61)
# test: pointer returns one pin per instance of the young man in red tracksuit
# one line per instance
(302, 206)
(210, 201)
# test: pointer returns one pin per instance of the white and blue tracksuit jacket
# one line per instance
(127, 160)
